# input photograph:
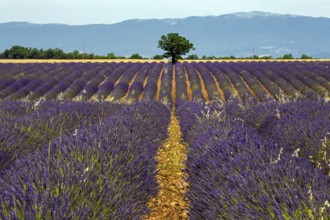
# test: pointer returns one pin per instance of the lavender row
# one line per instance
(166, 85)
(313, 74)
(322, 69)
(49, 84)
(23, 78)
(28, 73)
(208, 81)
(273, 89)
(137, 86)
(195, 82)
(259, 93)
(78, 85)
(257, 81)
(28, 126)
(181, 84)
(121, 88)
(286, 87)
(93, 85)
(222, 79)
(308, 79)
(108, 85)
(309, 83)
(236, 80)
(62, 85)
(18, 71)
(264, 161)
(295, 82)
(150, 89)
(106, 171)
(37, 79)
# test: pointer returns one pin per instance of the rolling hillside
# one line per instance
(239, 34)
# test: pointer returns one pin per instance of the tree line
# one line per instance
(20, 52)
(254, 57)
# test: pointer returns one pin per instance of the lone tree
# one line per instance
(175, 46)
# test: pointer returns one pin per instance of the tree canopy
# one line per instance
(175, 46)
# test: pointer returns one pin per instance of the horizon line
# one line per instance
(145, 19)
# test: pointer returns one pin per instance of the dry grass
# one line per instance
(79, 61)
(110, 96)
(171, 201)
(189, 92)
(259, 60)
(150, 60)
(249, 88)
(124, 99)
(263, 87)
(173, 88)
(204, 90)
(144, 86)
(159, 83)
(217, 84)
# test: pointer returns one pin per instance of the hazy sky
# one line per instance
(112, 11)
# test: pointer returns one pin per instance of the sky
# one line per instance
(78, 12)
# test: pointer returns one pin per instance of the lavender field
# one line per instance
(260, 161)
(194, 81)
(82, 140)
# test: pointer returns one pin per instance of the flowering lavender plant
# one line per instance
(265, 161)
(102, 170)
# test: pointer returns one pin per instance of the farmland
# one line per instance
(131, 82)
(152, 140)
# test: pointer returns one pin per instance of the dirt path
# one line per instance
(171, 201)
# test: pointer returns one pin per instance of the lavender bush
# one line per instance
(236, 80)
(166, 85)
(150, 88)
(181, 84)
(222, 79)
(264, 161)
(123, 84)
(99, 75)
(195, 82)
(27, 126)
(208, 81)
(108, 85)
(103, 171)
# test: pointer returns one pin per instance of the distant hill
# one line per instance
(239, 34)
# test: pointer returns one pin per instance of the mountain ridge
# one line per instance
(238, 34)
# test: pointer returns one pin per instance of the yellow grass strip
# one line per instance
(150, 60)
(79, 61)
(235, 91)
(263, 87)
(123, 99)
(94, 97)
(217, 84)
(159, 83)
(144, 86)
(189, 92)
(249, 88)
(171, 201)
(110, 97)
(204, 91)
(259, 60)
(173, 88)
